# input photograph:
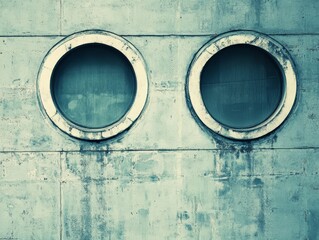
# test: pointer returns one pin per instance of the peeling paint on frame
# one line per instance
(71, 42)
(281, 56)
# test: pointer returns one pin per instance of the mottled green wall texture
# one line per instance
(167, 177)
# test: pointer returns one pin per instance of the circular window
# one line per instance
(242, 85)
(93, 85)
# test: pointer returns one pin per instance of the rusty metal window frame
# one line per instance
(49, 62)
(284, 62)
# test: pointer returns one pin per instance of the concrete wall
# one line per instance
(168, 177)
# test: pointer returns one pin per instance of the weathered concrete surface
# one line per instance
(190, 17)
(30, 17)
(243, 194)
(167, 177)
(240, 194)
(29, 195)
(141, 17)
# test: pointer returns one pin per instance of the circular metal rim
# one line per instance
(82, 38)
(276, 50)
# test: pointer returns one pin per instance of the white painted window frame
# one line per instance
(284, 62)
(63, 47)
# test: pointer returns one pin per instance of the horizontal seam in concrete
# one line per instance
(208, 35)
(31, 36)
(158, 35)
(160, 150)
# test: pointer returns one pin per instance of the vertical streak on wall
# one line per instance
(178, 15)
(60, 196)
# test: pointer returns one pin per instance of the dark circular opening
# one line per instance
(241, 86)
(93, 85)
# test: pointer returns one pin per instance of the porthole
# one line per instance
(242, 84)
(93, 85)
